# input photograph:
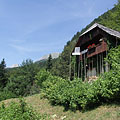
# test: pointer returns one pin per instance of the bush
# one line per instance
(113, 58)
(6, 95)
(54, 88)
(19, 111)
(41, 76)
(64, 92)
(82, 95)
(110, 85)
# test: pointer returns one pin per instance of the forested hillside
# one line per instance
(109, 19)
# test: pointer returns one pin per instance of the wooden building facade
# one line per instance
(92, 48)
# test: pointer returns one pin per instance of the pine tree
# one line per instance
(49, 63)
(118, 1)
(3, 75)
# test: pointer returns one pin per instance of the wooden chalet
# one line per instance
(91, 49)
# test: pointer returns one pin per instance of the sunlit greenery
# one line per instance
(50, 78)
(19, 111)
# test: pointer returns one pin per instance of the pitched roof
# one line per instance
(107, 30)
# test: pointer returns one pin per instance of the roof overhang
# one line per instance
(105, 29)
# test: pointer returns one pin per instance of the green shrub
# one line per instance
(82, 95)
(19, 111)
(110, 85)
(6, 95)
(113, 58)
(41, 76)
(54, 87)
(64, 92)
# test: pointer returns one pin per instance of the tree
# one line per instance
(49, 63)
(118, 1)
(23, 79)
(61, 66)
(3, 74)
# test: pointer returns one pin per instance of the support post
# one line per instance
(107, 66)
(97, 66)
(89, 68)
(92, 66)
(81, 66)
(74, 70)
(116, 41)
(100, 63)
(70, 68)
(78, 66)
(84, 66)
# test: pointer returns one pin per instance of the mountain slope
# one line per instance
(54, 55)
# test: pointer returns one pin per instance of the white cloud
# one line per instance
(35, 47)
(17, 41)
(20, 48)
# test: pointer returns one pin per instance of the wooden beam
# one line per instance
(81, 66)
(97, 66)
(74, 70)
(100, 62)
(70, 68)
(84, 66)
(78, 66)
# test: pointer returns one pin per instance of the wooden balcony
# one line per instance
(99, 48)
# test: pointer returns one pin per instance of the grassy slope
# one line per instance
(106, 112)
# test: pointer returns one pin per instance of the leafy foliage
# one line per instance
(21, 80)
(113, 58)
(41, 76)
(82, 95)
(19, 111)
(6, 95)
(118, 1)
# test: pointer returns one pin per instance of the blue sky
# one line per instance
(30, 29)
